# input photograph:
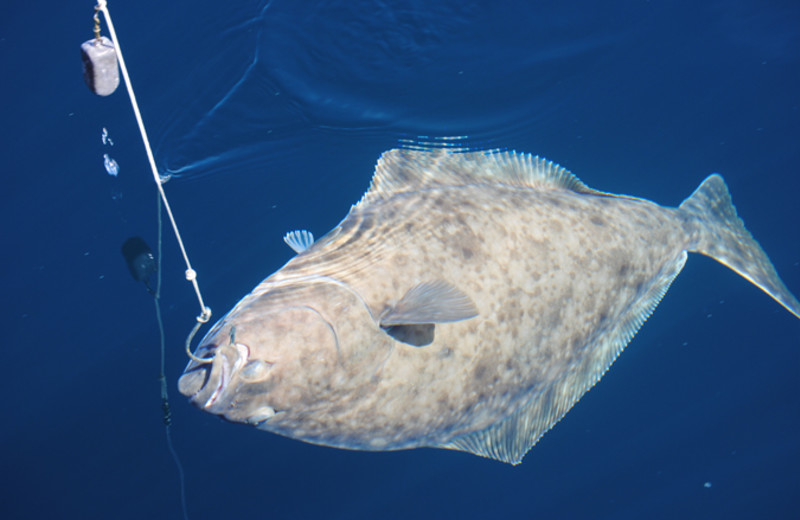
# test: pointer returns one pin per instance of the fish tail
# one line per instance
(718, 232)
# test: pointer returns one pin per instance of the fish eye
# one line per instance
(255, 370)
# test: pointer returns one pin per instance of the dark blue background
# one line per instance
(271, 117)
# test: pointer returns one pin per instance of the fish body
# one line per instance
(466, 302)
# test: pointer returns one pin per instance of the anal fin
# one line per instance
(510, 439)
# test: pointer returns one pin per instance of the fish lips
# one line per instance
(206, 384)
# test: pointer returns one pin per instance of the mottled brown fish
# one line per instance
(466, 302)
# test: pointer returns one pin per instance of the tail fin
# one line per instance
(720, 234)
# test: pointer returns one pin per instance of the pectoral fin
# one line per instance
(299, 240)
(430, 302)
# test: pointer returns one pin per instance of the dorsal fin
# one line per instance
(402, 170)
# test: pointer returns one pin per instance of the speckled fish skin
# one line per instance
(562, 277)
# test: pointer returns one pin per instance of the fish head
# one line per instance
(287, 352)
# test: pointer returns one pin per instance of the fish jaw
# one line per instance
(206, 384)
(300, 358)
(266, 358)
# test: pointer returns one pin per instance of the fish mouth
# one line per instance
(205, 384)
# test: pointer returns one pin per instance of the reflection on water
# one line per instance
(399, 71)
(263, 80)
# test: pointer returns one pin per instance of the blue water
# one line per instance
(270, 118)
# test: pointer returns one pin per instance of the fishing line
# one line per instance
(102, 60)
(167, 417)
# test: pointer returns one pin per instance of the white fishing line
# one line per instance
(191, 274)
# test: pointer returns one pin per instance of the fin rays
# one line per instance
(403, 170)
(510, 439)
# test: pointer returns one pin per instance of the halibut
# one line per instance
(466, 302)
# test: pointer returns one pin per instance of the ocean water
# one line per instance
(269, 116)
